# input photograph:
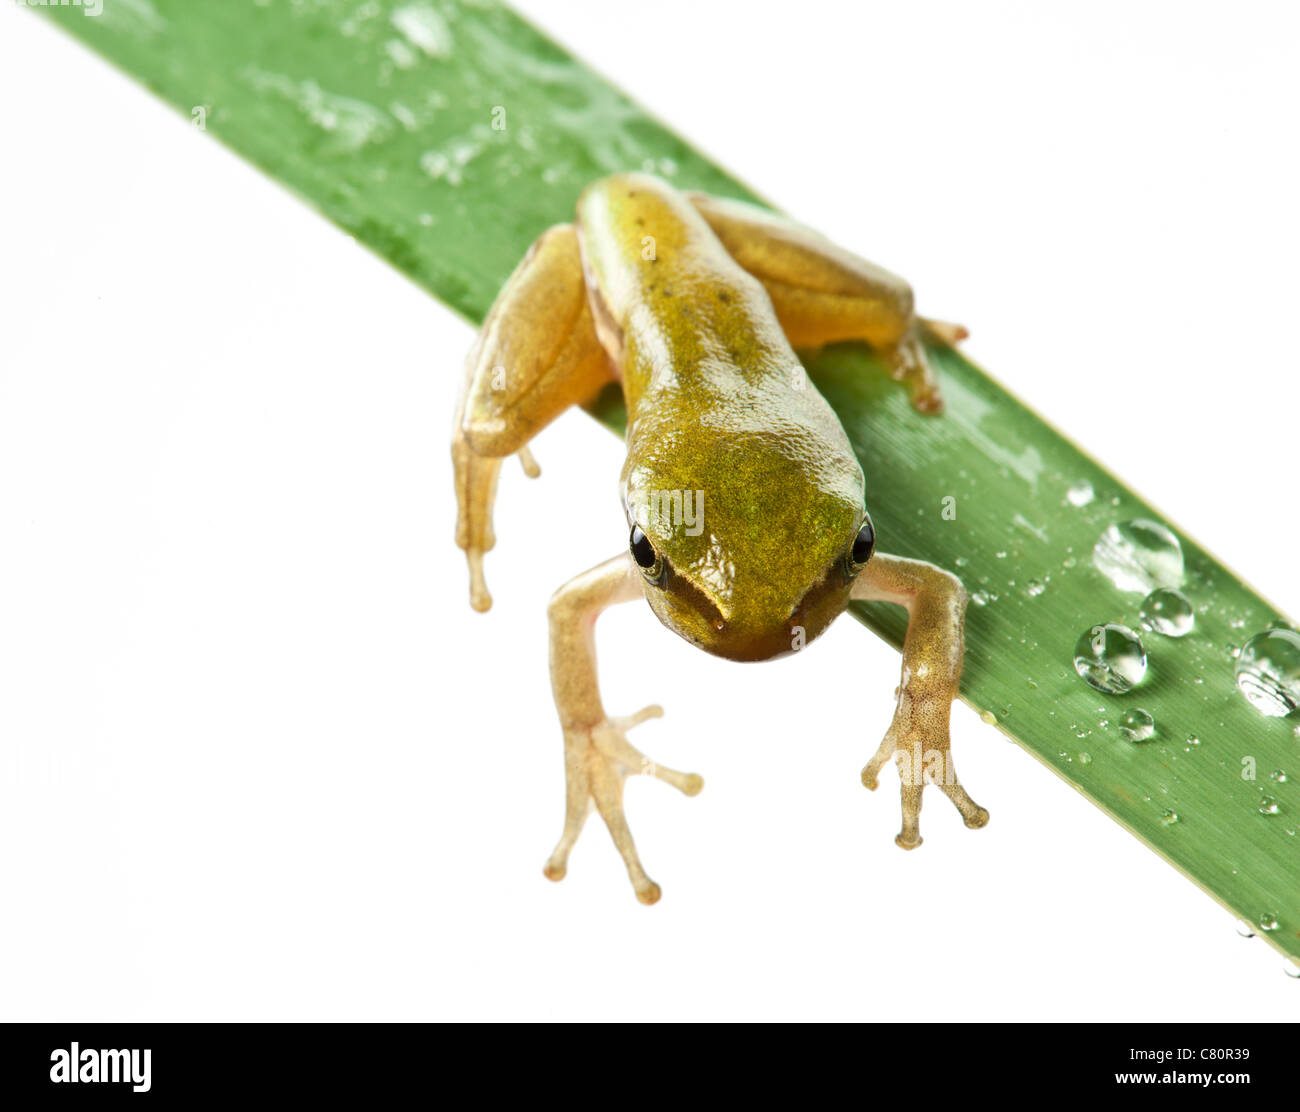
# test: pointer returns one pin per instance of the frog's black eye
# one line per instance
(863, 545)
(643, 552)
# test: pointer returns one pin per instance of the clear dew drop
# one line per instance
(1192, 739)
(1246, 930)
(1080, 493)
(1268, 921)
(1139, 555)
(1278, 776)
(1169, 817)
(1166, 610)
(1110, 657)
(989, 717)
(1268, 671)
(1034, 588)
(1137, 725)
(1291, 969)
(1267, 805)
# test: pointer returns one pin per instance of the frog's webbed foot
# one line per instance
(598, 759)
(932, 657)
(923, 757)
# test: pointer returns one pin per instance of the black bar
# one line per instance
(384, 1062)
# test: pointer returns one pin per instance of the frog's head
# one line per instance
(748, 538)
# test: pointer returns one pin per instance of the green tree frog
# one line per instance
(745, 504)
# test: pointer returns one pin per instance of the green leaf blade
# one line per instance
(385, 123)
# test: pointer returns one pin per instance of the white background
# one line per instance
(258, 758)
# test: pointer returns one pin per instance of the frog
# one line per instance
(744, 502)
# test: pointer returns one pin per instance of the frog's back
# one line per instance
(693, 336)
(675, 310)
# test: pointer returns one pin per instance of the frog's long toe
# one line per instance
(479, 597)
(943, 331)
(972, 814)
(528, 463)
(871, 773)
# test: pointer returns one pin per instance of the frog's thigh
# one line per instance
(821, 292)
(536, 355)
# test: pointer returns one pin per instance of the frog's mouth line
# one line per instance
(690, 613)
(691, 597)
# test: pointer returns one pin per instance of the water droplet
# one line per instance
(989, 717)
(1268, 921)
(1085, 758)
(1192, 739)
(1278, 776)
(1169, 817)
(1139, 555)
(980, 598)
(1080, 493)
(1268, 672)
(1267, 805)
(1291, 969)
(1137, 725)
(1034, 588)
(1166, 610)
(1246, 930)
(1110, 657)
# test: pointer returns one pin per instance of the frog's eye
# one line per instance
(643, 552)
(861, 549)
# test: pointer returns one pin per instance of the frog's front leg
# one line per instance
(932, 656)
(597, 755)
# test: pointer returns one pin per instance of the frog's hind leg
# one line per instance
(823, 294)
(536, 355)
